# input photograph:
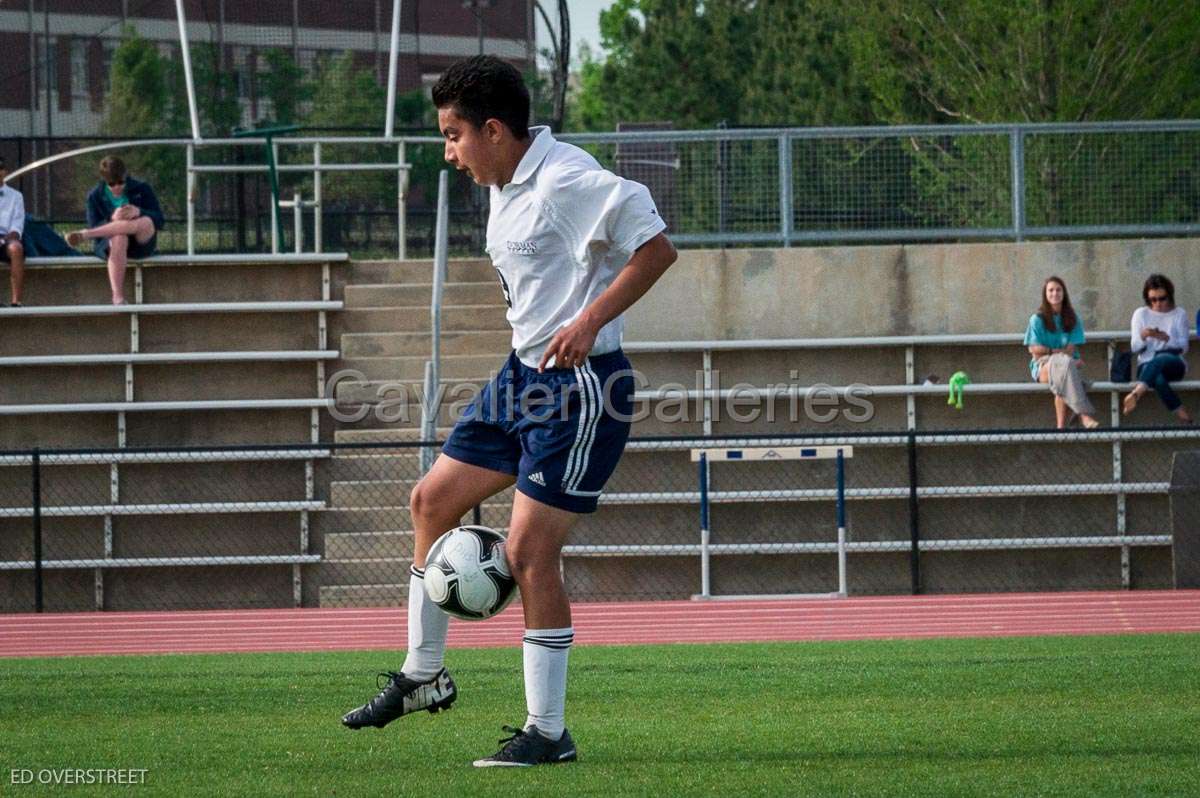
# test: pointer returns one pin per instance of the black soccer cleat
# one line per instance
(400, 696)
(527, 747)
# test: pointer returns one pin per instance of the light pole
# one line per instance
(477, 7)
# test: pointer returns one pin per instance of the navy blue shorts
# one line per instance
(560, 432)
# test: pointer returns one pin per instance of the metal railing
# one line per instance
(297, 204)
(788, 186)
(924, 512)
(138, 308)
(433, 367)
(910, 389)
(794, 186)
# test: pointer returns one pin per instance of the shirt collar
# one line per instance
(537, 152)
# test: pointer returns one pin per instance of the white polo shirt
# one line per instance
(12, 211)
(558, 235)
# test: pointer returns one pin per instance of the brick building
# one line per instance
(58, 52)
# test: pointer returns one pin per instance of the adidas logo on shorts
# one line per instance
(537, 478)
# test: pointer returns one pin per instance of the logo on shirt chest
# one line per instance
(522, 247)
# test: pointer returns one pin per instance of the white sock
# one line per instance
(546, 653)
(427, 626)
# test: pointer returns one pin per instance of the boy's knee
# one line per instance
(423, 503)
(14, 249)
(527, 560)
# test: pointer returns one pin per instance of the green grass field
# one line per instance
(1026, 716)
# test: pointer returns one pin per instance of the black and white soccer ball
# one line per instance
(467, 573)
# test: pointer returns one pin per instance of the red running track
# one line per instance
(885, 617)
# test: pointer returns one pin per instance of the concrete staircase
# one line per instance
(384, 339)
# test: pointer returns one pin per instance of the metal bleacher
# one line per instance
(1116, 492)
(35, 356)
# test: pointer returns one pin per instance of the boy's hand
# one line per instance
(570, 346)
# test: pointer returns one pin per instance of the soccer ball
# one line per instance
(467, 574)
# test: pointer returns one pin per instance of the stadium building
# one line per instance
(58, 53)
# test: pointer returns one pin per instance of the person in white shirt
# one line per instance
(12, 226)
(1159, 336)
(574, 246)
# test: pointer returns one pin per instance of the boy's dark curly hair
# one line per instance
(484, 87)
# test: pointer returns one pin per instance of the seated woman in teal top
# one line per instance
(1053, 338)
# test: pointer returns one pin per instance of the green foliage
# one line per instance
(284, 84)
(218, 104)
(870, 62)
(1036, 61)
(852, 62)
(676, 60)
(144, 102)
(139, 93)
(347, 96)
(765, 63)
(803, 72)
(1029, 60)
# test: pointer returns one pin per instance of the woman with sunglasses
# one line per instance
(1159, 336)
(124, 218)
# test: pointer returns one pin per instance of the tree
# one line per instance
(140, 103)
(347, 96)
(1029, 60)
(138, 94)
(677, 60)
(804, 71)
(1035, 61)
(216, 91)
(283, 84)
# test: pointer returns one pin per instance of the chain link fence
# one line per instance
(793, 186)
(329, 525)
(713, 188)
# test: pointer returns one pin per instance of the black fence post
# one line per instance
(477, 516)
(37, 530)
(914, 523)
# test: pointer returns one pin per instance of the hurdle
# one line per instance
(705, 457)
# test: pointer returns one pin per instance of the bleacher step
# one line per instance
(415, 318)
(385, 544)
(389, 435)
(365, 570)
(368, 492)
(378, 595)
(412, 367)
(391, 294)
(396, 416)
(467, 270)
(373, 390)
(375, 492)
(369, 519)
(394, 344)
(351, 466)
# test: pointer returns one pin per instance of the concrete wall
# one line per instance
(919, 289)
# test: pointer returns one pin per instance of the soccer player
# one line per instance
(575, 246)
